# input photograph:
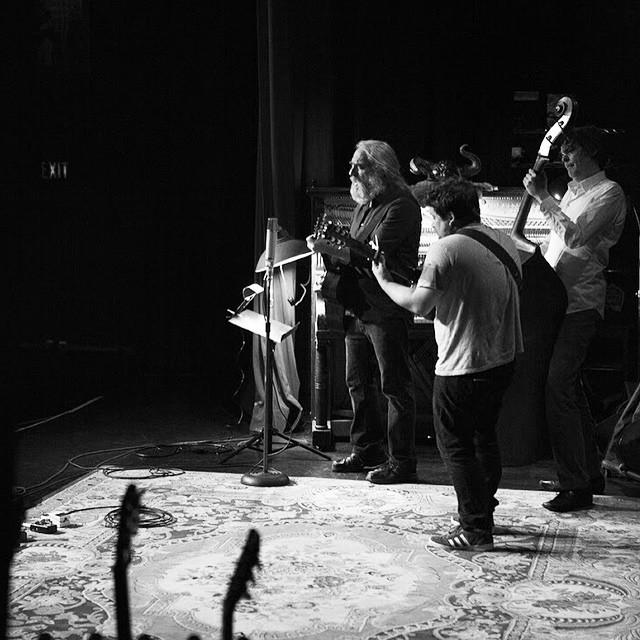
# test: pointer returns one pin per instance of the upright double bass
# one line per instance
(522, 429)
(564, 110)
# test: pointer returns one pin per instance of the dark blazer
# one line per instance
(395, 219)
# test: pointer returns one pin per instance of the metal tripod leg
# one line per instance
(248, 444)
(291, 442)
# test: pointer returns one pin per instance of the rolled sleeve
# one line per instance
(559, 222)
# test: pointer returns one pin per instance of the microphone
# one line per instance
(272, 234)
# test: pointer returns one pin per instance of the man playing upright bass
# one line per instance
(585, 224)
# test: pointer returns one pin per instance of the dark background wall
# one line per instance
(134, 255)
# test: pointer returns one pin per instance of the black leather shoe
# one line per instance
(353, 463)
(597, 485)
(388, 474)
(570, 501)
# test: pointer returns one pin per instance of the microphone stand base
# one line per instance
(268, 478)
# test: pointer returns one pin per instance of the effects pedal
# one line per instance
(44, 525)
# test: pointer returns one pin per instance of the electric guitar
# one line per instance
(249, 558)
(127, 528)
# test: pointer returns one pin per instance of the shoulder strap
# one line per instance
(498, 250)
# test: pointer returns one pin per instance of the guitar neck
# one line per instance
(227, 623)
(369, 254)
(123, 618)
(361, 249)
(338, 237)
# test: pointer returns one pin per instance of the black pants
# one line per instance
(383, 346)
(572, 430)
(465, 411)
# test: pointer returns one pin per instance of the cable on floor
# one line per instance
(41, 421)
(148, 517)
(152, 472)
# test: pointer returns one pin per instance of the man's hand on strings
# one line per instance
(379, 262)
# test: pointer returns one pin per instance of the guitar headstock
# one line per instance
(332, 232)
(243, 573)
(334, 238)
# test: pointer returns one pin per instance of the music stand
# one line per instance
(272, 331)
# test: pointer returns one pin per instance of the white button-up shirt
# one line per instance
(585, 224)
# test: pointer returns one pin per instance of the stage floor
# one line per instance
(141, 431)
(340, 558)
(188, 438)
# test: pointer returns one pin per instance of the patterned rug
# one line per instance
(340, 559)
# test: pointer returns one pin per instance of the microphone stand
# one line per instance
(267, 477)
(272, 331)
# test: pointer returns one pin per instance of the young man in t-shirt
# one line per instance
(470, 276)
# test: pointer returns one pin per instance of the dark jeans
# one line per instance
(571, 426)
(372, 347)
(465, 411)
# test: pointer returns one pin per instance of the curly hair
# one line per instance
(592, 140)
(455, 195)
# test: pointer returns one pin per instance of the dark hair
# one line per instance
(592, 140)
(455, 195)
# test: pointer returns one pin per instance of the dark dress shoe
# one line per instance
(353, 463)
(388, 474)
(597, 485)
(570, 501)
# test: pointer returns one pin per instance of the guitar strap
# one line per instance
(498, 250)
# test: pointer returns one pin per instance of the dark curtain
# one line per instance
(295, 149)
(295, 123)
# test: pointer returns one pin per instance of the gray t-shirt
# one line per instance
(477, 315)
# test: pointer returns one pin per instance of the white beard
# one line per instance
(359, 192)
(363, 193)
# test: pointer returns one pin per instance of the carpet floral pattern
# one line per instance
(340, 559)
